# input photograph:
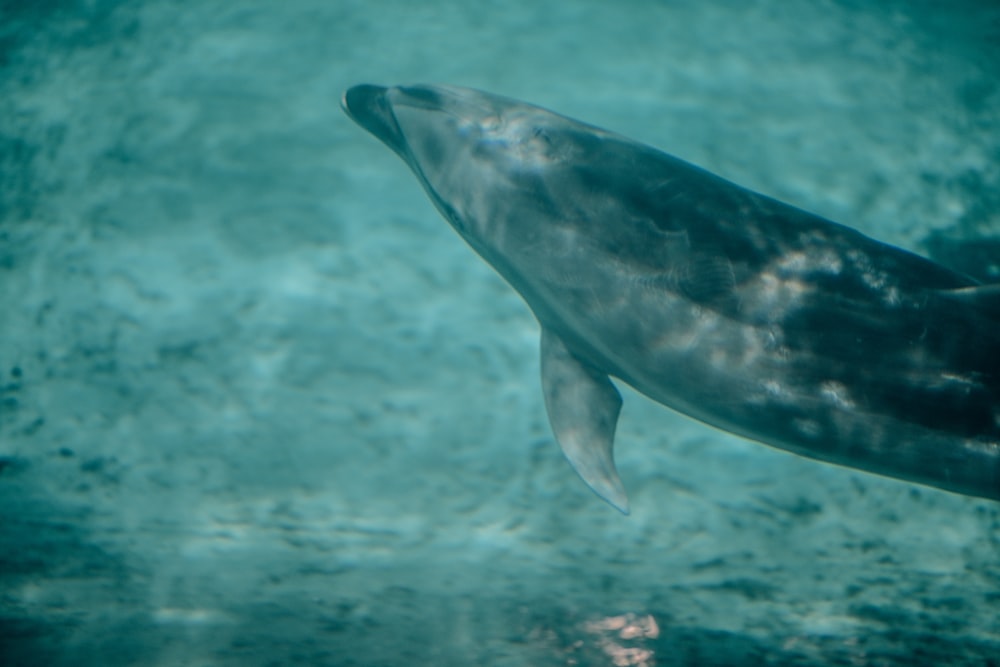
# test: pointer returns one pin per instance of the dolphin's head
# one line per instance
(479, 155)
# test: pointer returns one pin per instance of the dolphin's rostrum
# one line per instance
(728, 306)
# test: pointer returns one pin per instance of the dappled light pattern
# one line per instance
(621, 638)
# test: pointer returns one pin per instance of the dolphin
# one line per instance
(733, 308)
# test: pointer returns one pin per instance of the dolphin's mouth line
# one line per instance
(467, 118)
(430, 107)
(418, 98)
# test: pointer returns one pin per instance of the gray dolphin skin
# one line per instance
(730, 307)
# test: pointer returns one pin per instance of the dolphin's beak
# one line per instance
(368, 107)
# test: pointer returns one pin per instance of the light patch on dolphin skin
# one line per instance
(771, 295)
(836, 393)
(743, 353)
(686, 340)
(959, 379)
(768, 392)
(862, 266)
(810, 428)
(524, 145)
(799, 262)
(774, 388)
(891, 296)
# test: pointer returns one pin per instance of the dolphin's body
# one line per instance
(728, 306)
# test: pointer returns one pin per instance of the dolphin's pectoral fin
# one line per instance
(583, 409)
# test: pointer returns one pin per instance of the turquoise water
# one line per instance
(259, 405)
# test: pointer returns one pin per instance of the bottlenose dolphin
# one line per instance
(728, 306)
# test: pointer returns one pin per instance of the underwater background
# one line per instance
(260, 405)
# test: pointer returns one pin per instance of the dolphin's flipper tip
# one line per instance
(596, 467)
(612, 490)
